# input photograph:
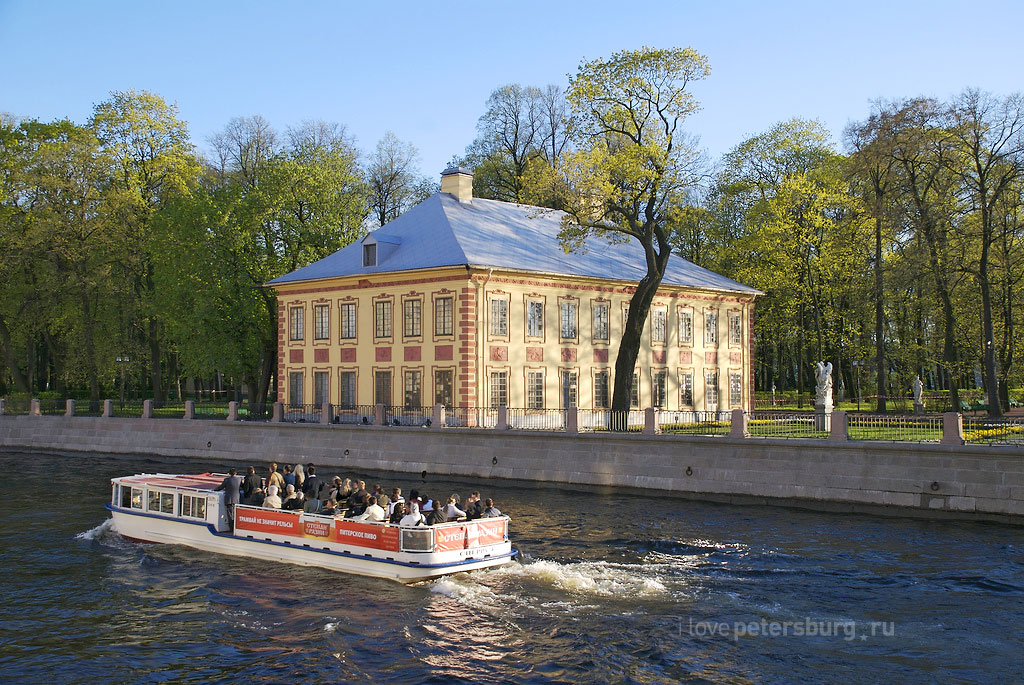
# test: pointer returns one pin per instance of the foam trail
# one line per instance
(98, 532)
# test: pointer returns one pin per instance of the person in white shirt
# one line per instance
(272, 500)
(452, 508)
(414, 517)
(396, 498)
(373, 512)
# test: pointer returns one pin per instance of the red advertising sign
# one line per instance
(316, 528)
(450, 538)
(473, 534)
(367, 535)
(266, 521)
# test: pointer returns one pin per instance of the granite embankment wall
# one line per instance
(972, 482)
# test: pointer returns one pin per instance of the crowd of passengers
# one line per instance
(299, 488)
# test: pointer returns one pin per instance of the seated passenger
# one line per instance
(414, 517)
(474, 507)
(397, 512)
(272, 500)
(289, 493)
(312, 506)
(374, 512)
(330, 508)
(296, 503)
(452, 510)
(396, 498)
(491, 511)
(382, 498)
(428, 505)
(436, 516)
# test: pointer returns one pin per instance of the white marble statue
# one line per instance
(918, 389)
(823, 391)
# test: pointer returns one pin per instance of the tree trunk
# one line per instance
(879, 320)
(629, 346)
(988, 330)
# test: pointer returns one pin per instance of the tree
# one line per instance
(633, 167)
(989, 142)
(393, 177)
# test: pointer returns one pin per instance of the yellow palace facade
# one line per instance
(468, 302)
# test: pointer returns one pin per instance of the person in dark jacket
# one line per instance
(313, 485)
(475, 509)
(250, 484)
(231, 487)
(437, 515)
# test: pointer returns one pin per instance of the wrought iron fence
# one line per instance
(408, 416)
(302, 413)
(255, 412)
(895, 428)
(694, 422)
(127, 410)
(536, 419)
(360, 414)
(470, 417)
(165, 409)
(607, 420)
(1007, 431)
(786, 425)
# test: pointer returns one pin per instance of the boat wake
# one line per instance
(100, 532)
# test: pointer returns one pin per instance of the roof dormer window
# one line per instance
(369, 254)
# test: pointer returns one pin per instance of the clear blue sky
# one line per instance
(425, 69)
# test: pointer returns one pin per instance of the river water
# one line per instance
(611, 588)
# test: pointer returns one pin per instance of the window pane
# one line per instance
(382, 324)
(443, 316)
(658, 325)
(569, 320)
(685, 326)
(413, 312)
(321, 387)
(295, 389)
(711, 389)
(322, 322)
(601, 390)
(534, 390)
(443, 388)
(686, 389)
(658, 389)
(535, 319)
(600, 322)
(499, 317)
(568, 389)
(735, 389)
(298, 326)
(710, 328)
(370, 255)
(735, 329)
(634, 391)
(166, 503)
(347, 380)
(499, 389)
(382, 388)
(413, 399)
(348, 321)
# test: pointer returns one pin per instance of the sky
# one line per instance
(424, 70)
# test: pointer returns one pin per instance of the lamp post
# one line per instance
(123, 363)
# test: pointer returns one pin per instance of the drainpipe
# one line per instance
(482, 333)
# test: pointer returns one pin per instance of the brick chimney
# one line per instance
(458, 181)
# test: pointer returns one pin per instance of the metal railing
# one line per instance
(407, 416)
(693, 422)
(994, 431)
(470, 417)
(255, 412)
(786, 425)
(210, 411)
(302, 413)
(607, 420)
(536, 419)
(895, 428)
(360, 414)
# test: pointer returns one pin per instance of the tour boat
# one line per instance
(188, 510)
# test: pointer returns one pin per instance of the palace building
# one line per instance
(467, 302)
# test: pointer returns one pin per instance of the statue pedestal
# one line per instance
(918, 408)
(823, 417)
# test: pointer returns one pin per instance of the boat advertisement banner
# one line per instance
(367, 535)
(266, 521)
(475, 534)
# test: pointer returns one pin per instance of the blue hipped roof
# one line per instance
(441, 231)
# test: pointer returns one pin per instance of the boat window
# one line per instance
(136, 498)
(417, 540)
(193, 507)
(126, 497)
(154, 501)
(166, 503)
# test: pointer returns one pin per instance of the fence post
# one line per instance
(840, 429)
(34, 408)
(69, 408)
(438, 417)
(738, 429)
(108, 409)
(572, 420)
(232, 411)
(278, 413)
(147, 409)
(190, 410)
(953, 428)
(502, 421)
(325, 412)
(650, 422)
(378, 415)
